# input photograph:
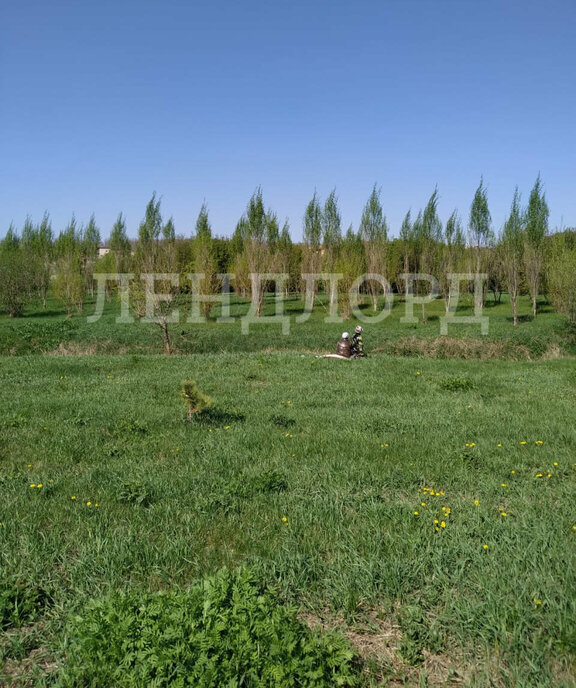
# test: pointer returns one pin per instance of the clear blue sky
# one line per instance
(102, 103)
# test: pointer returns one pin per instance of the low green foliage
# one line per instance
(224, 631)
(457, 384)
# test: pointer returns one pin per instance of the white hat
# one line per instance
(345, 335)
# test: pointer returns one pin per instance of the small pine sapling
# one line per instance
(196, 401)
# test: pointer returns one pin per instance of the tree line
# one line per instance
(523, 257)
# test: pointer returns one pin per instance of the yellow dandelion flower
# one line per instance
(538, 442)
(503, 513)
(537, 602)
(573, 527)
(227, 427)
(443, 524)
(88, 503)
(485, 546)
(96, 505)
(73, 497)
(415, 513)
(522, 442)
(32, 484)
(284, 519)
(40, 485)
(555, 463)
(418, 372)
(476, 502)
(499, 444)
(539, 475)
(436, 520)
(512, 472)
(503, 484)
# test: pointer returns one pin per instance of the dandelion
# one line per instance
(512, 472)
(443, 524)
(537, 602)
(503, 484)
(539, 475)
(384, 446)
(96, 505)
(30, 465)
(88, 503)
(555, 463)
(523, 442)
(32, 484)
(573, 527)
(503, 513)
(469, 405)
(485, 546)
(539, 442)
(73, 497)
(227, 427)
(416, 514)
(476, 502)
(499, 444)
(422, 503)
(436, 521)
(40, 486)
(418, 372)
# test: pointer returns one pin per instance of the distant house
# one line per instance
(103, 250)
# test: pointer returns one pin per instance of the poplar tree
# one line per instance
(331, 237)
(512, 245)
(480, 233)
(374, 234)
(312, 235)
(204, 260)
(536, 229)
(452, 251)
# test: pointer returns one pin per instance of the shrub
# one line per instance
(196, 401)
(135, 493)
(225, 631)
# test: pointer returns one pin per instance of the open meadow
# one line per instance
(422, 508)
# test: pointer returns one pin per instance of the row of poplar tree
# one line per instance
(522, 258)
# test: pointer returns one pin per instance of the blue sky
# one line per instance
(102, 103)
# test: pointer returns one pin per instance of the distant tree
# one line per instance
(480, 233)
(536, 229)
(120, 245)
(259, 231)
(427, 232)
(69, 285)
(561, 273)
(204, 259)
(89, 243)
(374, 234)
(407, 239)
(452, 254)
(512, 246)
(147, 254)
(37, 247)
(312, 235)
(351, 263)
(331, 238)
(16, 275)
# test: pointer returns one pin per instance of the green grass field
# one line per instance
(425, 508)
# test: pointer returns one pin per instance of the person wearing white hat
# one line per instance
(344, 348)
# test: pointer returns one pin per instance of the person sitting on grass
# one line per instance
(344, 348)
(357, 346)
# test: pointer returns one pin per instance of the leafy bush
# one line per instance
(225, 632)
